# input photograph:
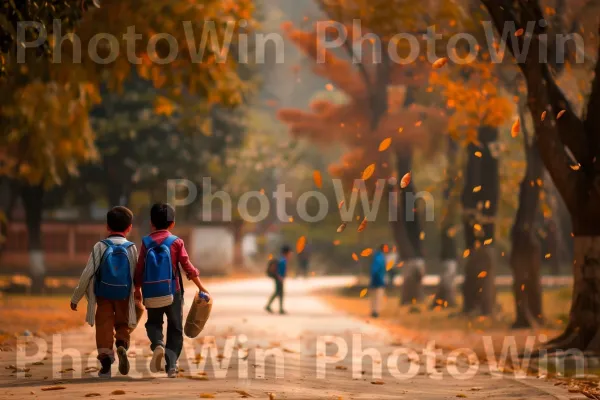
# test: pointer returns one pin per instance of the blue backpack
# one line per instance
(113, 276)
(159, 280)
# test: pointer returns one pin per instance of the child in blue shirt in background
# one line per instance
(377, 285)
(279, 279)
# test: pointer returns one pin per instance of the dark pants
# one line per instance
(112, 323)
(303, 268)
(154, 329)
(278, 293)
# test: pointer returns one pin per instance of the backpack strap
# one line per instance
(169, 241)
(148, 242)
(126, 245)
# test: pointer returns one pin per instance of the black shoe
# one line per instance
(123, 361)
(375, 315)
(282, 312)
(105, 371)
(268, 309)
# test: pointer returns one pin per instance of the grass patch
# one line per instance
(556, 304)
(37, 314)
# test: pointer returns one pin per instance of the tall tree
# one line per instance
(577, 181)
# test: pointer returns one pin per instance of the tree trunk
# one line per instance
(446, 292)
(238, 254)
(407, 231)
(33, 202)
(480, 204)
(526, 255)
(9, 193)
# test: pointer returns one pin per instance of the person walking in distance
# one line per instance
(278, 276)
(377, 286)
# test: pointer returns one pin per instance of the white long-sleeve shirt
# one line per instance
(86, 282)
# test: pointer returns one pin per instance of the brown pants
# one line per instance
(112, 320)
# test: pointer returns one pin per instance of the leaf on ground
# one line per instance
(271, 396)
(49, 388)
(93, 395)
(378, 382)
(117, 392)
(341, 367)
(207, 396)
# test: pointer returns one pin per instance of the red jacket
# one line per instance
(179, 256)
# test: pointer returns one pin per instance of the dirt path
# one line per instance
(298, 362)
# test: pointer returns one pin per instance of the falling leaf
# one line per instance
(478, 154)
(488, 242)
(300, 244)
(389, 265)
(548, 255)
(329, 87)
(366, 252)
(340, 205)
(405, 181)
(364, 292)
(477, 189)
(522, 287)
(385, 144)
(440, 62)
(422, 235)
(560, 114)
(368, 172)
(354, 257)
(576, 167)
(341, 228)
(362, 225)
(336, 242)
(466, 253)
(317, 179)
(482, 274)
(49, 388)
(519, 32)
(477, 227)
(400, 264)
(544, 115)
(516, 128)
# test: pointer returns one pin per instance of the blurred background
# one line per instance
(80, 137)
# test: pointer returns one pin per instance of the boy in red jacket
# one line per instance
(162, 218)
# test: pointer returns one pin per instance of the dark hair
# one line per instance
(162, 215)
(119, 219)
(285, 249)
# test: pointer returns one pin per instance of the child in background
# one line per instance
(106, 281)
(377, 285)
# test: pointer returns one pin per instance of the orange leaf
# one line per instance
(363, 292)
(482, 274)
(575, 167)
(544, 115)
(385, 144)
(366, 252)
(354, 257)
(560, 114)
(516, 128)
(389, 265)
(368, 172)
(405, 180)
(466, 253)
(300, 244)
(340, 205)
(336, 242)
(477, 189)
(440, 62)
(362, 225)
(519, 32)
(317, 179)
(341, 228)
